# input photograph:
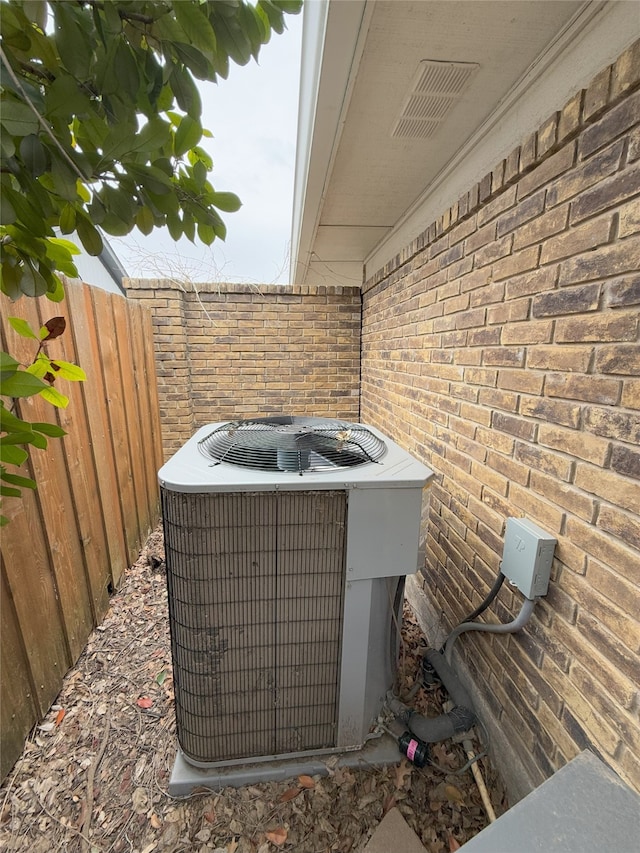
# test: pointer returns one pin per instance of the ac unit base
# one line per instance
(185, 777)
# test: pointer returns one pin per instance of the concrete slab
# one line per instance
(377, 752)
(583, 808)
(394, 835)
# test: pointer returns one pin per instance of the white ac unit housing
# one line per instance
(283, 588)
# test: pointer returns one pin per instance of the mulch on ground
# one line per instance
(93, 775)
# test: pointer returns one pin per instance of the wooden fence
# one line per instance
(67, 544)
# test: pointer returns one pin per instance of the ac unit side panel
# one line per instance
(387, 596)
(256, 589)
(369, 654)
(384, 532)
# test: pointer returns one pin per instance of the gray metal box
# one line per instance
(527, 556)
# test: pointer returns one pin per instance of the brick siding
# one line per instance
(236, 351)
(501, 347)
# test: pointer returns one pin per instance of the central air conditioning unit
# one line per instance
(287, 541)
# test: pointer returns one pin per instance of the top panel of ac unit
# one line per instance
(191, 469)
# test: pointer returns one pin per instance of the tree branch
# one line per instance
(41, 121)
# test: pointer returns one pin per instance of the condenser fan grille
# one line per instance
(295, 444)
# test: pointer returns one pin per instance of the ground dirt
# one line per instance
(93, 775)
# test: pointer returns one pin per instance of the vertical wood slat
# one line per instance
(18, 707)
(95, 398)
(131, 410)
(149, 458)
(155, 426)
(68, 543)
(56, 504)
(117, 426)
(78, 455)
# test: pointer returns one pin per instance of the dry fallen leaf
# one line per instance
(210, 815)
(306, 781)
(453, 844)
(403, 771)
(140, 801)
(388, 804)
(155, 821)
(277, 836)
(144, 702)
(60, 716)
(290, 794)
(454, 794)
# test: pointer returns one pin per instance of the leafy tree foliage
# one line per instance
(100, 120)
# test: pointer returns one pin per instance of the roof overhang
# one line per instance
(377, 159)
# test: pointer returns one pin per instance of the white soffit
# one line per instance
(594, 37)
(367, 193)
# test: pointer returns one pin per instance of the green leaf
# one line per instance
(68, 219)
(161, 677)
(52, 430)
(233, 40)
(291, 7)
(144, 220)
(57, 294)
(12, 455)
(34, 155)
(196, 26)
(68, 371)
(8, 421)
(185, 91)
(8, 492)
(53, 396)
(72, 42)
(18, 119)
(11, 275)
(113, 22)
(198, 64)
(229, 202)
(41, 366)
(17, 480)
(7, 211)
(89, 236)
(8, 364)
(127, 70)
(22, 384)
(153, 136)
(151, 178)
(64, 99)
(32, 282)
(22, 328)
(187, 135)
(206, 233)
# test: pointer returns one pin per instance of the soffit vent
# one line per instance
(435, 89)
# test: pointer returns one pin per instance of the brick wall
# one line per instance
(502, 348)
(236, 351)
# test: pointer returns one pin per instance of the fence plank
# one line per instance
(132, 414)
(68, 543)
(152, 382)
(86, 341)
(54, 497)
(18, 708)
(25, 554)
(108, 345)
(78, 456)
(145, 414)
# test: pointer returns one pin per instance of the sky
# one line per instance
(253, 118)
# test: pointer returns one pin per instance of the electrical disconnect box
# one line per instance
(527, 557)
